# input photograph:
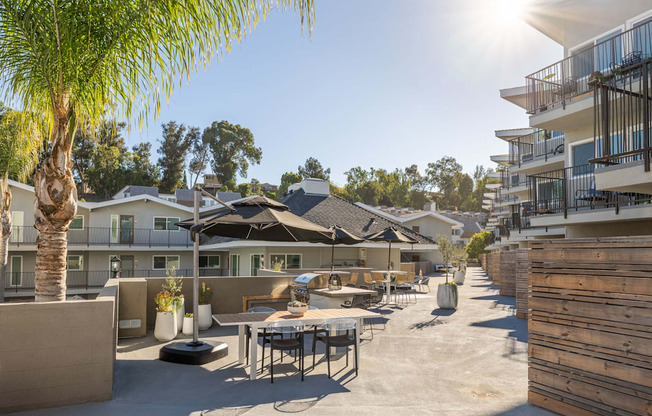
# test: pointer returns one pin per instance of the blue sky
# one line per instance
(379, 83)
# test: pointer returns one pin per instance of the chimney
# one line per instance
(430, 206)
(313, 186)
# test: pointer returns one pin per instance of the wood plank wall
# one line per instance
(508, 273)
(590, 325)
(495, 267)
(490, 259)
(521, 282)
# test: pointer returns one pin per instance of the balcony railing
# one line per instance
(570, 77)
(107, 236)
(573, 189)
(623, 116)
(89, 279)
(541, 144)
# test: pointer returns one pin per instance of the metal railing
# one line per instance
(538, 145)
(623, 117)
(107, 236)
(570, 77)
(574, 189)
(89, 279)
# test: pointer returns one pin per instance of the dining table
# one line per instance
(389, 275)
(259, 321)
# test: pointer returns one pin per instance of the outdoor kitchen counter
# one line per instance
(331, 299)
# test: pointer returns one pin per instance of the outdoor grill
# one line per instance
(302, 284)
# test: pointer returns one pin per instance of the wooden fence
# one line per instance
(590, 325)
(521, 282)
(508, 273)
(495, 267)
(482, 258)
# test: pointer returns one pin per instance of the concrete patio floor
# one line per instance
(472, 361)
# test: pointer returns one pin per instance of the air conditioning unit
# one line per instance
(362, 253)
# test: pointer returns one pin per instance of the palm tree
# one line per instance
(18, 155)
(72, 62)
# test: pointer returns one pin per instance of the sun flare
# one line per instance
(508, 11)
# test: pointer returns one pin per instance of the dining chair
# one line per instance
(339, 332)
(353, 279)
(264, 335)
(379, 278)
(294, 342)
(368, 279)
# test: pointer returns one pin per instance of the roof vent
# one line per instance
(312, 186)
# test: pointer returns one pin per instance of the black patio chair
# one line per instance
(344, 330)
(294, 342)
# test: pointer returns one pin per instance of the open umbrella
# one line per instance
(391, 235)
(256, 218)
(341, 237)
(259, 218)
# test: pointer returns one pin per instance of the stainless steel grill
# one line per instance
(302, 284)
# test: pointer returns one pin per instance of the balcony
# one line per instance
(107, 236)
(542, 146)
(570, 79)
(573, 189)
(623, 126)
(89, 280)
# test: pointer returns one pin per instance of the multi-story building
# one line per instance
(137, 225)
(594, 111)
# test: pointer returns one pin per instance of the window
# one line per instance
(415, 228)
(257, 263)
(166, 223)
(582, 153)
(16, 271)
(642, 34)
(115, 221)
(609, 50)
(77, 223)
(288, 261)
(17, 229)
(75, 262)
(209, 261)
(234, 260)
(165, 262)
(126, 195)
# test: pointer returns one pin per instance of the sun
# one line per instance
(508, 11)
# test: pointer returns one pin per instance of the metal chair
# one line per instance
(264, 335)
(353, 279)
(294, 342)
(336, 333)
(425, 282)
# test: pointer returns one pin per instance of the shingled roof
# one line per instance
(470, 223)
(327, 210)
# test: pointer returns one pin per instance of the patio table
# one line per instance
(260, 320)
(388, 281)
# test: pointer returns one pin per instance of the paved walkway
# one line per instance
(471, 361)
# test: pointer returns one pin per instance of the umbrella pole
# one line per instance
(332, 257)
(195, 273)
(389, 257)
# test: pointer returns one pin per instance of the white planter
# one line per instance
(187, 326)
(447, 296)
(166, 326)
(297, 310)
(459, 277)
(181, 312)
(204, 317)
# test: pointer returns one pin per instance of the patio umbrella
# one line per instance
(259, 218)
(342, 237)
(391, 235)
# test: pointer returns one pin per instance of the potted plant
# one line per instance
(165, 328)
(187, 324)
(446, 292)
(460, 256)
(173, 285)
(205, 319)
(297, 308)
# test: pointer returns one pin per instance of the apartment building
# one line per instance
(138, 225)
(590, 116)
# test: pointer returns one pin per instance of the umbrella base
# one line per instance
(191, 354)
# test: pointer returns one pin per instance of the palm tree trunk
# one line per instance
(56, 206)
(5, 232)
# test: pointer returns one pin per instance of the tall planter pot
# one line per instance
(447, 296)
(205, 319)
(181, 312)
(459, 277)
(165, 328)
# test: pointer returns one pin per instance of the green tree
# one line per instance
(312, 168)
(477, 244)
(232, 148)
(142, 171)
(445, 248)
(175, 143)
(108, 171)
(442, 175)
(19, 149)
(287, 179)
(244, 189)
(70, 63)
(200, 156)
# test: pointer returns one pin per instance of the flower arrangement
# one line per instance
(297, 304)
(205, 294)
(277, 266)
(188, 315)
(163, 302)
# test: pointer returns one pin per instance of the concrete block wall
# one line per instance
(57, 353)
